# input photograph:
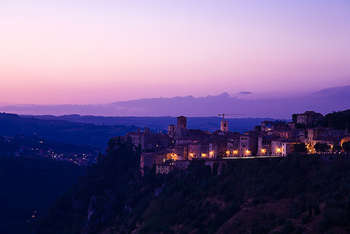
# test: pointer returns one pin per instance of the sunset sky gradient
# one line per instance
(100, 51)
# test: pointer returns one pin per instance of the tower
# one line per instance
(181, 127)
(181, 122)
(224, 125)
(171, 130)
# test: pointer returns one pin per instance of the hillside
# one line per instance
(29, 186)
(35, 147)
(61, 131)
(291, 195)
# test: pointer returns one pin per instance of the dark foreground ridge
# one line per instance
(296, 194)
(29, 186)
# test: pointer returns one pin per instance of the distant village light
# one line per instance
(228, 153)
(247, 152)
(211, 154)
(263, 151)
(278, 150)
(204, 155)
(174, 156)
(235, 152)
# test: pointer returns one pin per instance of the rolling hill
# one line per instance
(327, 100)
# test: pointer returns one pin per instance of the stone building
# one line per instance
(272, 138)
(224, 125)
(308, 118)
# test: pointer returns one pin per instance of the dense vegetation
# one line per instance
(337, 120)
(292, 195)
(102, 194)
(30, 186)
(346, 147)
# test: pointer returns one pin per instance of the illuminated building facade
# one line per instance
(271, 139)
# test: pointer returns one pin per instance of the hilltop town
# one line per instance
(306, 133)
(280, 177)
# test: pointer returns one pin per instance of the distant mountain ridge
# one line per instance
(336, 91)
(56, 130)
(158, 123)
(324, 101)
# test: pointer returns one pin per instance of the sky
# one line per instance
(101, 51)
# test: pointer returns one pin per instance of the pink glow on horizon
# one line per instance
(88, 52)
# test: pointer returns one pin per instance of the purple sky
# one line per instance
(102, 51)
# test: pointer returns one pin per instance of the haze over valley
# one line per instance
(240, 106)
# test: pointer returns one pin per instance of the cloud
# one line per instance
(245, 93)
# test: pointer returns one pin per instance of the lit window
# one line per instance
(211, 153)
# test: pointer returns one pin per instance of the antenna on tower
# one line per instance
(222, 115)
(224, 122)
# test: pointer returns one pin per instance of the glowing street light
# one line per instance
(172, 156)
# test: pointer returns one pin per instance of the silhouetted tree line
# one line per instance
(337, 120)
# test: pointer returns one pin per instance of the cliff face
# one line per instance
(292, 195)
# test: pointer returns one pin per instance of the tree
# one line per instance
(104, 189)
(337, 148)
(346, 147)
(300, 148)
(338, 120)
(322, 147)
